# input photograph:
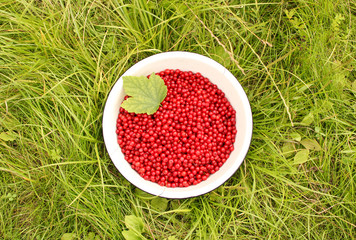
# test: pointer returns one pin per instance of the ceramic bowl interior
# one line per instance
(218, 75)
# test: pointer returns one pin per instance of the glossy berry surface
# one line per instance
(189, 137)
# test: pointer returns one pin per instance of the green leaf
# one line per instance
(296, 136)
(7, 136)
(305, 87)
(288, 149)
(90, 236)
(317, 129)
(145, 94)
(55, 154)
(140, 105)
(221, 56)
(68, 236)
(9, 122)
(142, 194)
(130, 235)
(290, 13)
(175, 204)
(160, 204)
(311, 144)
(308, 119)
(134, 223)
(340, 80)
(301, 156)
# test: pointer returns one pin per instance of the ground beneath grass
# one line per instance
(295, 60)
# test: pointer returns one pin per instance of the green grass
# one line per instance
(295, 60)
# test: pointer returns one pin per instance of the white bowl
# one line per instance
(218, 75)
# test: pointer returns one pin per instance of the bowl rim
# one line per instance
(243, 96)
